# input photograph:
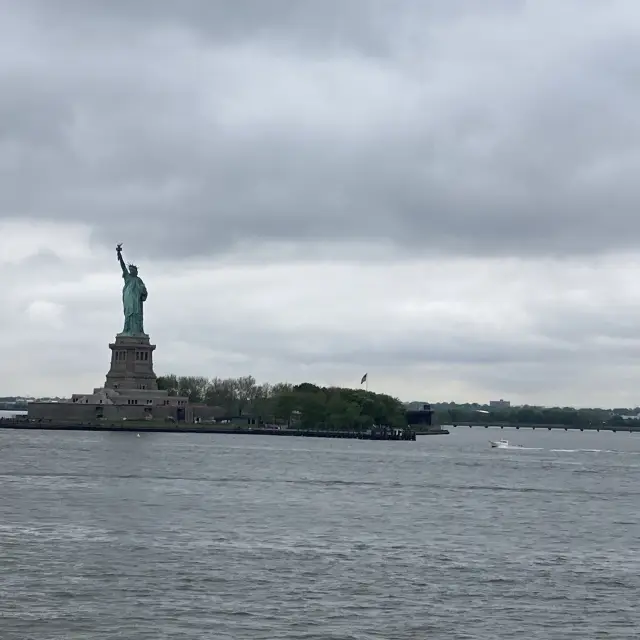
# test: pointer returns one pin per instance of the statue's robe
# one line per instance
(134, 293)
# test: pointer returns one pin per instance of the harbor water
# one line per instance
(182, 536)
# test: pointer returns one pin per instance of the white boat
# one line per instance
(504, 444)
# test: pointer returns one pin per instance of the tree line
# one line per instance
(306, 404)
(311, 406)
(451, 413)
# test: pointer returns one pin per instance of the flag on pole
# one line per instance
(364, 379)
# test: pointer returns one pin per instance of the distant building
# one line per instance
(500, 404)
(421, 416)
(417, 405)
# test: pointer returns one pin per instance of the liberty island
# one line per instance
(131, 394)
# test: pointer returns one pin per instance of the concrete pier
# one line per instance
(169, 427)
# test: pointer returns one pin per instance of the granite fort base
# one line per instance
(130, 391)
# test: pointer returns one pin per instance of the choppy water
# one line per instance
(106, 536)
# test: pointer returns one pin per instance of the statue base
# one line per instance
(132, 364)
(130, 391)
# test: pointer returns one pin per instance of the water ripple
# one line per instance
(108, 536)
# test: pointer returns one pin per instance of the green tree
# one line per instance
(285, 402)
(246, 393)
(193, 387)
(222, 393)
(168, 383)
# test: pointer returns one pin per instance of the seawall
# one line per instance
(143, 427)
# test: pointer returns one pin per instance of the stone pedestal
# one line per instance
(130, 391)
(132, 364)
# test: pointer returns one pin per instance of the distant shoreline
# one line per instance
(10, 413)
(625, 428)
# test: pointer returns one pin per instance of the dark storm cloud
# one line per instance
(203, 126)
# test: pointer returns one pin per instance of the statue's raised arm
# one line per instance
(123, 266)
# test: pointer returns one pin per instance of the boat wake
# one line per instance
(504, 444)
(626, 453)
(515, 447)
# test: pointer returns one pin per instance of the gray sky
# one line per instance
(442, 194)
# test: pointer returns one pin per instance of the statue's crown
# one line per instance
(132, 266)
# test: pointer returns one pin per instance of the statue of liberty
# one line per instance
(134, 293)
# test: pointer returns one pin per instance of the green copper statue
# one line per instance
(134, 293)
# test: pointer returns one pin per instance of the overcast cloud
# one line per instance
(443, 194)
